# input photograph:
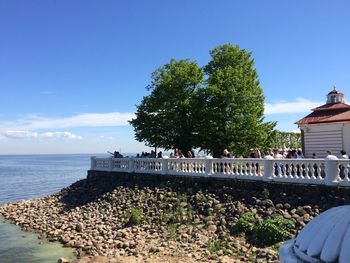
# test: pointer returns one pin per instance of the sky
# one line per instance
(71, 72)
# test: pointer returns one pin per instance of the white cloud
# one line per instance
(64, 134)
(34, 126)
(31, 134)
(105, 137)
(300, 105)
(19, 134)
(34, 122)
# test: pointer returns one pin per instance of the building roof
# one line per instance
(332, 106)
(335, 110)
(326, 115)
(334, 91)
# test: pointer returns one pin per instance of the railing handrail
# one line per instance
(343, 160)
(314, 171)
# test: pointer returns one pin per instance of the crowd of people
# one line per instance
(292, 154)
(254, 153)
(151, 154)
(226, 167)
(286, 154)
(116, 154)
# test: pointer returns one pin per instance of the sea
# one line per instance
(24, 177)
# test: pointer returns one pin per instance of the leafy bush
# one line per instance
(181, 211)
(246, 222)
(273, 230)
(216, 245)
(172, 230)
(135, 217)
(265, 193)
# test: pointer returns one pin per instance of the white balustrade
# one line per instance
(240, 168)
(120, 164)
(343, 172)
(299, 171)
(102, 164)
(183, 166)
(303, 171)
(148, 165)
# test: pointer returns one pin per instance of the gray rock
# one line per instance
(155, 249)
(300, 211)
(79, 227)
(212, 228)
(287, 206)
(279, 206)
(62, 260)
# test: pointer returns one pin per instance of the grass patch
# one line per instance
(273, 230)
(266, 232)
(216, 245)
(135, 216)
(172, 230)
(265, 193)
(276, 247)
(246, 222)
(180, 211)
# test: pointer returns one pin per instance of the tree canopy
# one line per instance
(215, 107)
(165, 118)
(282, 140)
(233, 103)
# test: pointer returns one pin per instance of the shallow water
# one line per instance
(32, 176)
(20, 246)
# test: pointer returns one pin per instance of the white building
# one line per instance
(327, 127)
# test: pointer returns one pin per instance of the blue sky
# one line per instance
(71, 72)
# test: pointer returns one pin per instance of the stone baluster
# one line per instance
(331, 170)
(92, 162)
(131, 165)
(208, 166)
(268, 168)
(110, 165)
(165, 166)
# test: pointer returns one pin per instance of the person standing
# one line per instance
(226, 167)
(277, 154)
(179, 154)
(343, 167)
(300, 154)
(343, 155)
(226, 154)
(330, 155)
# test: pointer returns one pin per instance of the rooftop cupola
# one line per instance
(335, 96)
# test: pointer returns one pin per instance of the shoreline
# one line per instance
(93, 216)
(24, 246)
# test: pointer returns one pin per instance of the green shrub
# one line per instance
(265, 193)
(246, 222)
(273, 230)
(172, 230)
(216, 245)
(181, 211)
(135, 217)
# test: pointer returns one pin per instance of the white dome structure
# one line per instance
(326, 238)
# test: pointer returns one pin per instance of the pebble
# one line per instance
(93, 216)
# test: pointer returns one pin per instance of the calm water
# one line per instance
(27, 177)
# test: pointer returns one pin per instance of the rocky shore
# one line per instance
(143, 218)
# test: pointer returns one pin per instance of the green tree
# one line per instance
(232, 104)
(165, 118)
(280, 139)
